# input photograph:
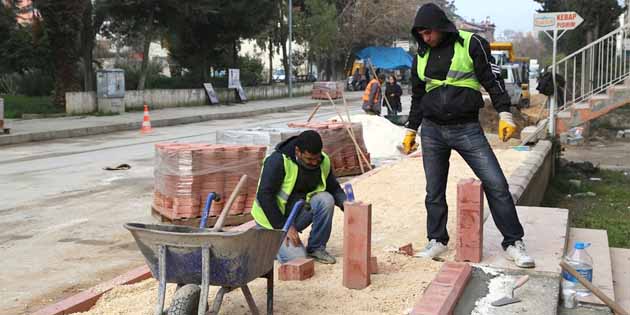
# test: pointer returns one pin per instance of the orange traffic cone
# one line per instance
(146, 121)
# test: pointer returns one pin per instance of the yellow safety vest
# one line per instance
(462, 70)
(291, 170)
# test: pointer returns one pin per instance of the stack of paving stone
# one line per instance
(339, 146)
(335, 89)
(186, 173)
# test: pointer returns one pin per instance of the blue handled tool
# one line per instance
(206, 210)
(294, 212)
(349, 192)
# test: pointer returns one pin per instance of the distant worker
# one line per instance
(356, 78)
(372, 97)
(447, 74)
(393, 91)
(298, 169)
(545, 86)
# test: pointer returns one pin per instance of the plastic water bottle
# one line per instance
(349, 192)
(582, 262)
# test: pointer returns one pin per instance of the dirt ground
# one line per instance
(398, 217)
(608, 155)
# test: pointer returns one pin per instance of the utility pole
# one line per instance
(289, 75)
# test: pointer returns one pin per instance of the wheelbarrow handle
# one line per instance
(294, 212)
(206, 210)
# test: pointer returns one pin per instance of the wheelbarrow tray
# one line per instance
(236, 258)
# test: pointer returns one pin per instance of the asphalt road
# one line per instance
(61, 214)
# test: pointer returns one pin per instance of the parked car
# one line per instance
(279, 76)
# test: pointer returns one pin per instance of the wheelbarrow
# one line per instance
(228, 259)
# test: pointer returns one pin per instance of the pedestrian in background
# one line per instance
(393, 91)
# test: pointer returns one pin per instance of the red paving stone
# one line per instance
(357, 243)
(83, 301)
(444, 291)
(373, 265)
(469, 243)
(406, 249)
(322, 89)
(296, 270)
(339, 146)
(186, 173)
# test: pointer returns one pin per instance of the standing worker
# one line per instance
(447, 74)
(372, 97)
(298, 169)
(393, 91)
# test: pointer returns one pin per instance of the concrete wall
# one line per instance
(529, 182)
(80, 102)
(85, 102)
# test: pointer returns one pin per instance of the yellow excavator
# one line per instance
(503, 53)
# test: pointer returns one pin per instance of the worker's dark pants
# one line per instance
(470, 142)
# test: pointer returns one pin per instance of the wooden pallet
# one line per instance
(230, 220)
(350, 171)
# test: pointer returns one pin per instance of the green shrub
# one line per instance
(15, 106)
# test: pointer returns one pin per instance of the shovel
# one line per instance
(511, 300)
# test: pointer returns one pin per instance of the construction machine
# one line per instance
(503, 53)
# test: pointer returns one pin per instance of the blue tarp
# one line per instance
(388, 58)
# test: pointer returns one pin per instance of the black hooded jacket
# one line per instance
(448, 105)
(271, 182)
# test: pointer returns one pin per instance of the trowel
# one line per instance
(511, 300)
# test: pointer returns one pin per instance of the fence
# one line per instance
(85, 102)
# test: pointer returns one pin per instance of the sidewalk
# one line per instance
(30, 130)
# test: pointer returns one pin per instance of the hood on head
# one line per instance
(430, 16)
(287, 147)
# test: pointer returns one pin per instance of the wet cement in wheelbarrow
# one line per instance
(398, 217)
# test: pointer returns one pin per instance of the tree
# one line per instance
(319, 29)
(336, 29)
(203, 32)
(15, 42)
(63, 21)
(136, 21)
(526, 45)
(93, 18)
(600, 17)
(272, 33)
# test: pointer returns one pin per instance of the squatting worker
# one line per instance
(298, 169)
(373, 96)
(447, 74)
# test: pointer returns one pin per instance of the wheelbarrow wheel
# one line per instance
(185, 301)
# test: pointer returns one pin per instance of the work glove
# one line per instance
(409, 142)
(506, 126)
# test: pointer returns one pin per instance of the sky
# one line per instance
(517, 15)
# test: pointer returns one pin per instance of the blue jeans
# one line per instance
(471, 143)
(320, 215)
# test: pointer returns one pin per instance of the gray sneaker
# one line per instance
(518, 254)
(322, 256)
(432, 250)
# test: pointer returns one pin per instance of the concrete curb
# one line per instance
(88, 131)
(529, 181)
(85, 300)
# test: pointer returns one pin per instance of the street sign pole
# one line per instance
(554, 98)
(554, 21)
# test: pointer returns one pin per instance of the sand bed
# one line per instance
(398, 215)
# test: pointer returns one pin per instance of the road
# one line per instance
(61, 215)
